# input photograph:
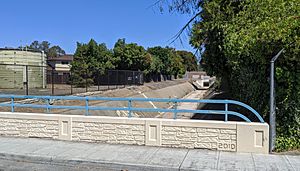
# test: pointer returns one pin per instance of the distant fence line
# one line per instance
(47, 80)
(110, 77)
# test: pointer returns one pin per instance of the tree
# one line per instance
(35, 45)
(164, 55)
(252, 38)
(177, 66)
(90, 61)
(154, 70)
(43, 46)
(189, 60)
(131, 56)
(105, 59)
(240, 38)
(55, 51)
(171, 62)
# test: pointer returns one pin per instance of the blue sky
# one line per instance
(65, 22)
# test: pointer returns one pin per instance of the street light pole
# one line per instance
(272, 133)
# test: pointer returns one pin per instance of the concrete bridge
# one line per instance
(115, 143)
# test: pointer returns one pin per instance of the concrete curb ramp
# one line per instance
(37, 154)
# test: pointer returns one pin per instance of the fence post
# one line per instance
(86, 84)
(175, 110)
(52, 82)
(226, 112)
(130, 83)
(71, 82)
(129, 109)
(142, 78)
(12, 104)
(108, 79)
(126, 76)
(86, 106)
(133, 79)
(117, 83)
(98, 80)
(26, 75)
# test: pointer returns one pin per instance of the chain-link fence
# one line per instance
(47, 80)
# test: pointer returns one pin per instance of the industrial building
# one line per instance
(20, 67)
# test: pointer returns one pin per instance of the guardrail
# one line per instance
(12, 103)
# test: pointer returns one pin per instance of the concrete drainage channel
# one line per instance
(184, 90)
(178, 91)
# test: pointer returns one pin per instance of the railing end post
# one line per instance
(129, 108)
(86, 106)
(12, 104)
(175, 110)
(47, 105)
(226, 111)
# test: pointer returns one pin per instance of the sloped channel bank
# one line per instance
(175, 91)
(167, 89)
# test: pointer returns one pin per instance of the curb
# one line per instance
(83, 164)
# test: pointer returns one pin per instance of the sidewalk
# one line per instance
(39, 154)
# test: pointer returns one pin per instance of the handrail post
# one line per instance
(226, 112)
(86, 106)
(175, 110)
(129, 109)
(12, 104)
(47, 103)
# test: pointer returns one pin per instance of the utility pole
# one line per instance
(272, 132)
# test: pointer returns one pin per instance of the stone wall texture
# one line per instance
(215, 135)
(108, 133)
(29, 128)
(193, 137)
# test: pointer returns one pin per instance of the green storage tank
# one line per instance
(13, 64)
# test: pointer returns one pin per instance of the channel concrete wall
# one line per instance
(176, 91)
(215, 135)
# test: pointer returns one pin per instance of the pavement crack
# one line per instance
(286, 158)
(149, 158)
(218, 160)
(183, 159)
(253, 161)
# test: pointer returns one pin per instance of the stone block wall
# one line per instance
(215, 135)
(193, 137)
(108, 133)
(29, 128)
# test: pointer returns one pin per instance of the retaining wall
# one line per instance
(215, 135)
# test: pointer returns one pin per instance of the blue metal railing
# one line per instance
(12, 104)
